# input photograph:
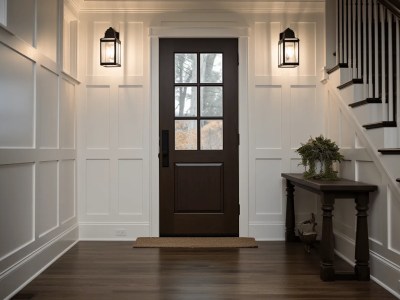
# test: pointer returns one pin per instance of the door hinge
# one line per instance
(238, 139)
(238, 59)
(239, 209)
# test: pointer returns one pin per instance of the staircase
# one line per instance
(368, 72)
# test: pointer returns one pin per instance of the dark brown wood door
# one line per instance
(199, 168)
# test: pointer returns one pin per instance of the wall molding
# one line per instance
(24, 271)
(239, 6)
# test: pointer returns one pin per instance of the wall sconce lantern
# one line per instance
(288, 49)
(110, 49)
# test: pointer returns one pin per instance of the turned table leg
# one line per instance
(327, 271)
(361, 268)
(290, 235)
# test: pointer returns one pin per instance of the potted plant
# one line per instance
(320, 151)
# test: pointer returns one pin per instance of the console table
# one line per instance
(328, 192)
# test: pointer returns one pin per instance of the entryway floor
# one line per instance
(115, 270)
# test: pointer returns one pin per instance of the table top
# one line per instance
(341, 185)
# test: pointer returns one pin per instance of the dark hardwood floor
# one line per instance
(115, 270)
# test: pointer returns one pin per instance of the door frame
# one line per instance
(242, 34)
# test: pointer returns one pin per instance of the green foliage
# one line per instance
(320, 150)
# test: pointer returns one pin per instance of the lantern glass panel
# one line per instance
(118, 52)
(291, 52)
(280, 53)
(107, 52)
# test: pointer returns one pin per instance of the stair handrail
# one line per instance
(392, 5)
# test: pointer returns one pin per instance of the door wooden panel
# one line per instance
(199, 188)
(199, 137)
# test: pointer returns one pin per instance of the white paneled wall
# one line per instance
(46, 193)
(114, 135)
(17, 102)
(287, 109)
(47, 108)
(37, 144)
(384, 205)
(20, 206)
(87, 152)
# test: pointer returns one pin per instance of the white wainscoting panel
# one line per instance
(268, 188)
(306, 202)
(17, 100)
(305, 114)
(46, 108)
(17, 196)
(262, 48)
(334, 119)
(347, 135)
(67, 115)
(366, 171)
(46, 197)
(394, 223)
(67, 190)
(98, 117)
(345, 217)
(130, 187)
(47, 26)
(275, 29)
(268, 117)
(306, 32)
(21, 22)
(97, 187)
(296, 166)
(346, 169)
(132, 37)
(130, 117)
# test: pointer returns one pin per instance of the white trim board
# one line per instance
(243, 117)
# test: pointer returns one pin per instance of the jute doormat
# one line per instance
(195, 242)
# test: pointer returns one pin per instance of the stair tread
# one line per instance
(365, 101)
(380, 125)
(337, 67)
(350, 83)
(389, 150)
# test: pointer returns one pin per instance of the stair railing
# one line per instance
(368, 43)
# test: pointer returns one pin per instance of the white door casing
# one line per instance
(200, 32)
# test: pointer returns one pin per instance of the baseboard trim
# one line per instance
(21, 274)
(267, 231)
(380, 266)
(119, 231)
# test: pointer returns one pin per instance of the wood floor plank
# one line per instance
(115, 270)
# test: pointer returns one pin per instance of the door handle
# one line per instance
(165, 148)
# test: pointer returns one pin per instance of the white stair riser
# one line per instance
(340, 76)
(383, 137)
(368, 113)
(353, 93)
(391, 162)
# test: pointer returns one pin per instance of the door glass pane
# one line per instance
(211, 101)
(185, 67)
(211, 67)
(211, 135)
(185, 135)
(185, 101)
